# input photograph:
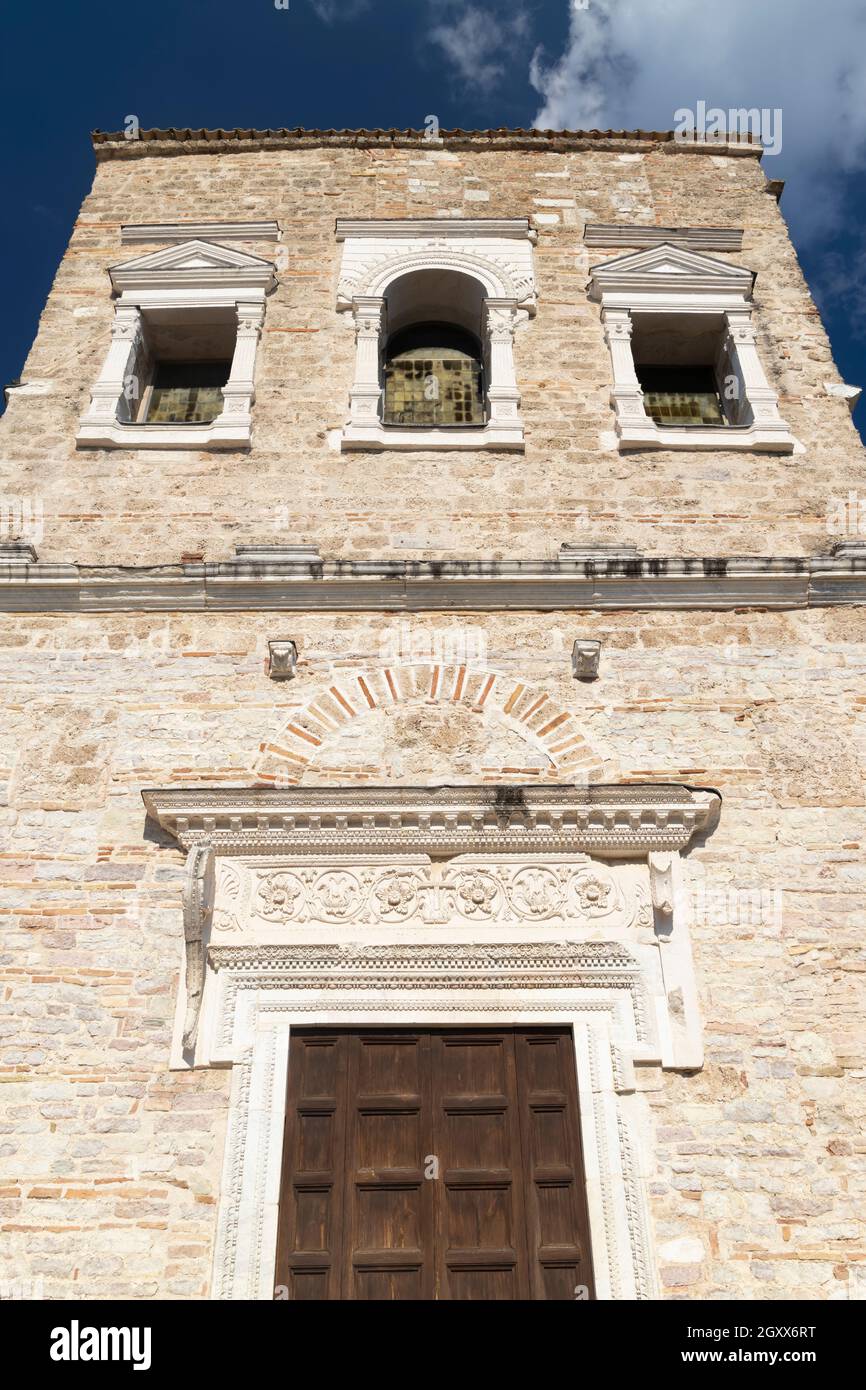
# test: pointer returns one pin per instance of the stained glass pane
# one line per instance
(187, 393)
(681, 396)
(433, 385)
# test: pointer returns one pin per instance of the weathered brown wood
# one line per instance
(555, 1184)
(433, 1164)
(310, 1227)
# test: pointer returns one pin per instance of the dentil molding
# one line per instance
(622, 822)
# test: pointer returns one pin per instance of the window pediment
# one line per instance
(670, 267)
(199, 264)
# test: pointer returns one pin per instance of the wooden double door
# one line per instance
(434, 1164)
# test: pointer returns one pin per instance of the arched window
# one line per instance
(434, 360)
(433, 378)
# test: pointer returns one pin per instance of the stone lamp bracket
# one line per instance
(282, 659)
(585, 656)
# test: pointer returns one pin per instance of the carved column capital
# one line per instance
(250, 320)
(126, 327)
(370, 315)
(617, 324)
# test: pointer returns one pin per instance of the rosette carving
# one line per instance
(280, 896)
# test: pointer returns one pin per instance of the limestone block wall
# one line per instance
(110, 1164)
(150, 507)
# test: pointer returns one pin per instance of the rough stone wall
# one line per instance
(151, 507)
(110, 1165)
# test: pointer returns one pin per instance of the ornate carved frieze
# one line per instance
(463, 890)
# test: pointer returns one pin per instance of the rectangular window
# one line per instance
(186, 393)
(682, 395)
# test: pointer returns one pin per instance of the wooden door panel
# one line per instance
(310, 1227)
(482, 1237)
(437, 1164)
(557, 1218)
(389, 1250)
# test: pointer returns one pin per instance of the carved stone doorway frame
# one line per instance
(629, 997)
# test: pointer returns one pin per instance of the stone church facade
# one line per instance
(433, 643)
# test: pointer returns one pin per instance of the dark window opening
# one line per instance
(187, 393)
(682, 395)
(433, 377)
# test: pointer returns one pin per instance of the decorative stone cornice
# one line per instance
(410, 966)
(308, 584)
(442, 958)
(623, 822)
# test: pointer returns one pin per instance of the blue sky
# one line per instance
(69, 69)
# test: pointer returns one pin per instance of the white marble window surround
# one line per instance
(183, 285)
(493, 259)
(674, 281)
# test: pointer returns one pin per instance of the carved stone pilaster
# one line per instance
(761, 402)
(198, 902)
(501, 319)
(366, 393)
(626, 394)
(239, 391)
(107, 393)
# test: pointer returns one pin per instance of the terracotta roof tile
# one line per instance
(108, 144)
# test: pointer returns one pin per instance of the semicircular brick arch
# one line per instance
(550, 745)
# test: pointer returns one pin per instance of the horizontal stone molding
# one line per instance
(417, 586)
(635, 235)
(618, 821)
(134, 233)
(427, 227)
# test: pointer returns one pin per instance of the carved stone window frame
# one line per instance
(244, 995)
(191, 276)
(671, 279)
(497, 252)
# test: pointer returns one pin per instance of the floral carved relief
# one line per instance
(455, 891)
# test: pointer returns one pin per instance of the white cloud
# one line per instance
(478, 44)
(633, 63)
